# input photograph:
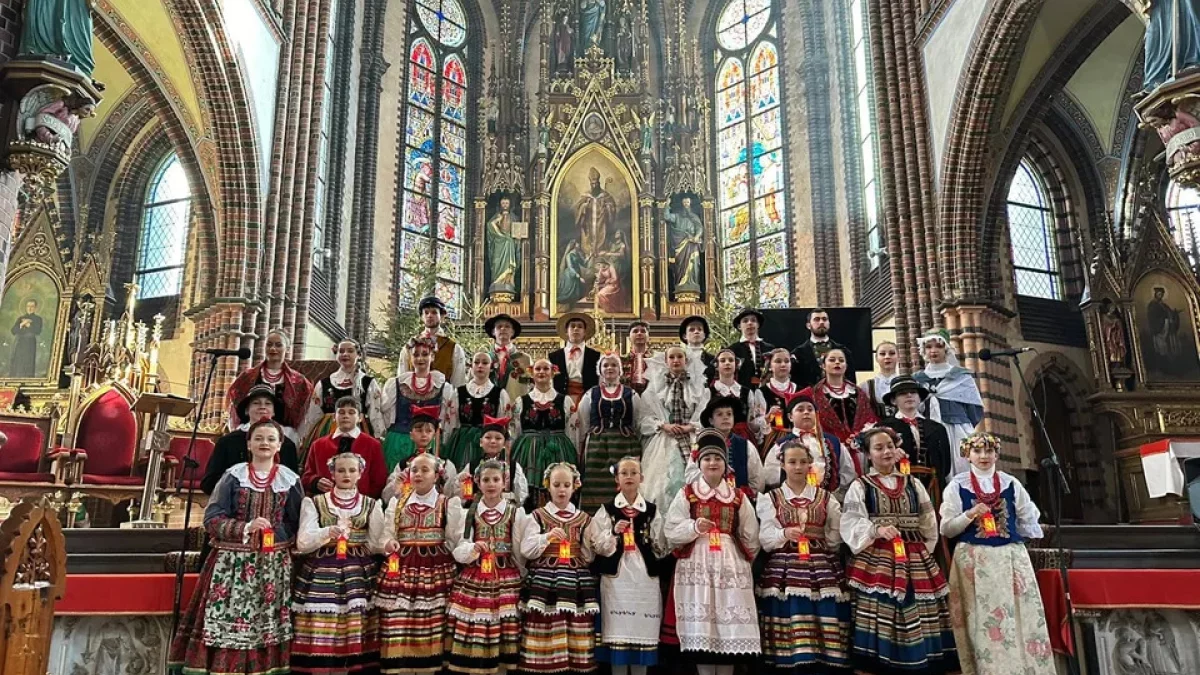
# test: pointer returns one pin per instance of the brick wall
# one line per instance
(10, 183)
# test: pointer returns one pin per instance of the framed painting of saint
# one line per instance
(1166, 326)
(29, 314)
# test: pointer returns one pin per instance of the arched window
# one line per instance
(434, 148)
(865, 103)
(163, 240)
(1183, 216)
(755, 246)
(320, 229)
(1031, 232)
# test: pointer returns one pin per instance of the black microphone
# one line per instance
(243, 353)
(986, 354)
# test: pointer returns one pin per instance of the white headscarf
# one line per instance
(951, 356)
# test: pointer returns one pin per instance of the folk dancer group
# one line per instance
(753, 506)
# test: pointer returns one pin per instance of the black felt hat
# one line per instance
(749, 311)
(260, 390)
(432, 301)
(683, 326)
(905, 384)
(490, 324)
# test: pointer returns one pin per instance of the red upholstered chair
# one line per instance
(25, 463)
(108, 433)
(177, 450)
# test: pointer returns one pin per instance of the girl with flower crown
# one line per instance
(335, 627)
(240, 620)
(545, 429)
(559, 604)
(898, 594)
(421, 528)
(475, 400)
(999, 619)
(348, 380)
(610, 416)
(421, 387)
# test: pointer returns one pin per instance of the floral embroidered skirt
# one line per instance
(534, 451)
(602, 450)
(462, 447)
(336, 630)
(804, 611)
(239, 619)
(999, 621)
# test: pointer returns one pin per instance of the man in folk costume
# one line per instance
(751, 349)
(449, 358)
(510, 366)
(954, 400)
(924, 441)
(806, 359)
(633, 364)
(292, 389)
(576, 362)
(693, 333)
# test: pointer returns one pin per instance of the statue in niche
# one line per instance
(625, 47)
(594, 214)
(503, 250)
(1161, 38)
(564, 41)
(1112, 330)
(687, 246)
(592, 14)
(61, 29)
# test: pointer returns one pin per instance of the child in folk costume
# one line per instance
(421, 527)
(546, 430)
(887, 356)
(897, 591)
(627, 534)
(476, 399)
(610, 417)
(493, 444)
(423, 433)
(421, 387)
(749, 418)
(805, 612)
(999, 620)
(715, 534)
(348, 380)
(842, 406)
(239, 620)
(831, 459)
(336, 631)
(347, 437)
(676, 397)
(693, 333)
(559, 603)
(954, 400)
(745, 468)
(483, 621)
(776, 393)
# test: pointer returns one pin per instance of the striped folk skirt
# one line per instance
(601, 451)
(804, 612)
(483, 624)
(412, 610)
(335, 629)
(900, 612)
(535, 451)
(559, 620)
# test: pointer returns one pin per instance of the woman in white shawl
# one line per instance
(674, 399)
(954, 400)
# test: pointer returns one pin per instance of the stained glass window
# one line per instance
(750, 159)
(163, 240)
(434, 152)
(1031, 233)
(1183, 211)
(867, 137)
(319, 243)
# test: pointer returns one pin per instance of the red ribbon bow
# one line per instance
(431, 411)
(488, 421)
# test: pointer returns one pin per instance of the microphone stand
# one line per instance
(1059, 490)
(188, 474)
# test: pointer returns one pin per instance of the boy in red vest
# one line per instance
(348, 437)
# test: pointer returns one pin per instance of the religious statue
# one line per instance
(1181, 121)
(1163, 41)
(58, 121)
(1112, 331)
(503, 250)
(592, 14)
(594, 213)
(687, 237)
(625, 40)
(61, 29)
(564, 42)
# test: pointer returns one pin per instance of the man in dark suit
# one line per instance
(925, 441)
(751, 350)
(806, 359)
(576, 362)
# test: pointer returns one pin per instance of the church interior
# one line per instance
(184, 179)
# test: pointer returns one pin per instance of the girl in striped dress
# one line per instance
(804, 610)
(611, 417)
(559, 606)
(897, 591)
(421, 527)
(335, 630)
(483, 623)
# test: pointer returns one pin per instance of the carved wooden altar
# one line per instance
(33, 575)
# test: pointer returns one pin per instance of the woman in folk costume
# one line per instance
(999, 620)
(483, 623)
(494, 446)
(954, 400)
(749, 418)
(610, 419)
(805, 611)
(292, 388)
(897, 591)
(675, 398)
(421, 387)
(239, 620)
(336, 631)
(776, 393)
(832, 462)
(546, 430)
(559, 604)
(887, 356)
(421, 528)
(348, 380)
(627, 535)
(476, 399)
(842, 406)
(711, 608)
